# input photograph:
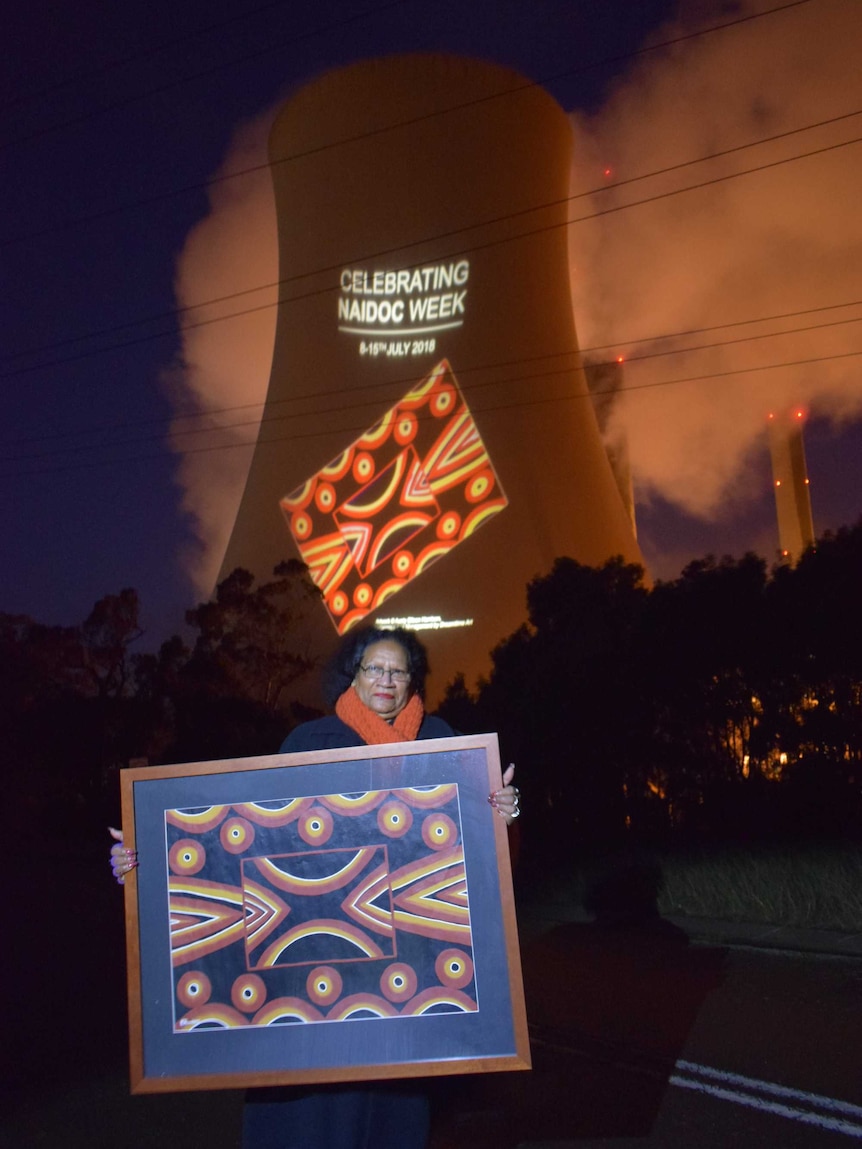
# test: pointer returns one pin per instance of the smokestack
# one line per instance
(790, 482)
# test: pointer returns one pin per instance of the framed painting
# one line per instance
(333, 915)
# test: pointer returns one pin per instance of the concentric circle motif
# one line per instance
(351, 619)
(299, 499)
(324, 497)
(454, 968)
(194, 988)
(301, 525)
(315, 826)
(339, 467)
(405, 428)
(387, 589)
(248, 992)
(479, 487)
(378, 434)
(339, 602)
(363, 467)
(439, 831)
(236, 834)
(402, 564)
(323, 985)
(443, 401)
(449, 525)
(398, 982)
(394, 819)
(363, 595)
(187, 857)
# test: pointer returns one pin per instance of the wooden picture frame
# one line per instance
(332, 915)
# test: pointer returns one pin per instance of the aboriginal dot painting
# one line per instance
(319, 909)
(400, 497)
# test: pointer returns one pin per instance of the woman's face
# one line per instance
(383, 694)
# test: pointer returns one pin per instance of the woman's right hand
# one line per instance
(122, 858)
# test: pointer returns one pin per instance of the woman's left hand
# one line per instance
(507, 802)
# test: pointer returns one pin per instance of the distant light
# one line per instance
(778, 482)
(607, 172)
(799, 414)
(770, 415)
(620, 359)
(785, 553)
(807, 481)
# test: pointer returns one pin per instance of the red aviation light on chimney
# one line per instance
(786, 430)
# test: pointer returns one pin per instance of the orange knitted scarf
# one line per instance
(374, 730)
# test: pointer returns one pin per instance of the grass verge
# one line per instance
(815, 887)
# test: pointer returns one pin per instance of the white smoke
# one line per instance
(784, 239)
(224, 369)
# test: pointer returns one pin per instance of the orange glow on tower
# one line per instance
(426, 448)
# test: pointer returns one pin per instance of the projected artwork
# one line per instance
(399, 498)
(319, 909)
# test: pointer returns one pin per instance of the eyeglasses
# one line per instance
(375, 673)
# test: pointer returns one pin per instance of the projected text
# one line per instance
(411, 302)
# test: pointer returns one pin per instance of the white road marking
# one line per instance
(754, 1086)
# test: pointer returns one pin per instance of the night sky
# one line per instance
(117, 116)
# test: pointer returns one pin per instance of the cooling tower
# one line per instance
(428, 444)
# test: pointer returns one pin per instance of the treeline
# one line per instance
(79, 703)
(723, 704)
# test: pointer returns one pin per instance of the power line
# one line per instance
(654, 198)
(136, 57)
(175, 312)
(176, 433)
(518, 89)
(584, 351)
(593, 215)
(77, 120)
(359, 430)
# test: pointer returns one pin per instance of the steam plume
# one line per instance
(784, 239)
(223, 373)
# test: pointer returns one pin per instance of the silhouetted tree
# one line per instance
(250, 639)
(226, 695)
(67, 718)
(565, 694)
(725, 703)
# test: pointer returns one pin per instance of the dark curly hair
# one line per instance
(342, 667)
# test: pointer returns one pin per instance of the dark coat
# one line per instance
(330, 733)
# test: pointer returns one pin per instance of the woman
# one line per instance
(376, 683)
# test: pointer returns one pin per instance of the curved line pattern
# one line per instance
(328, 926)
